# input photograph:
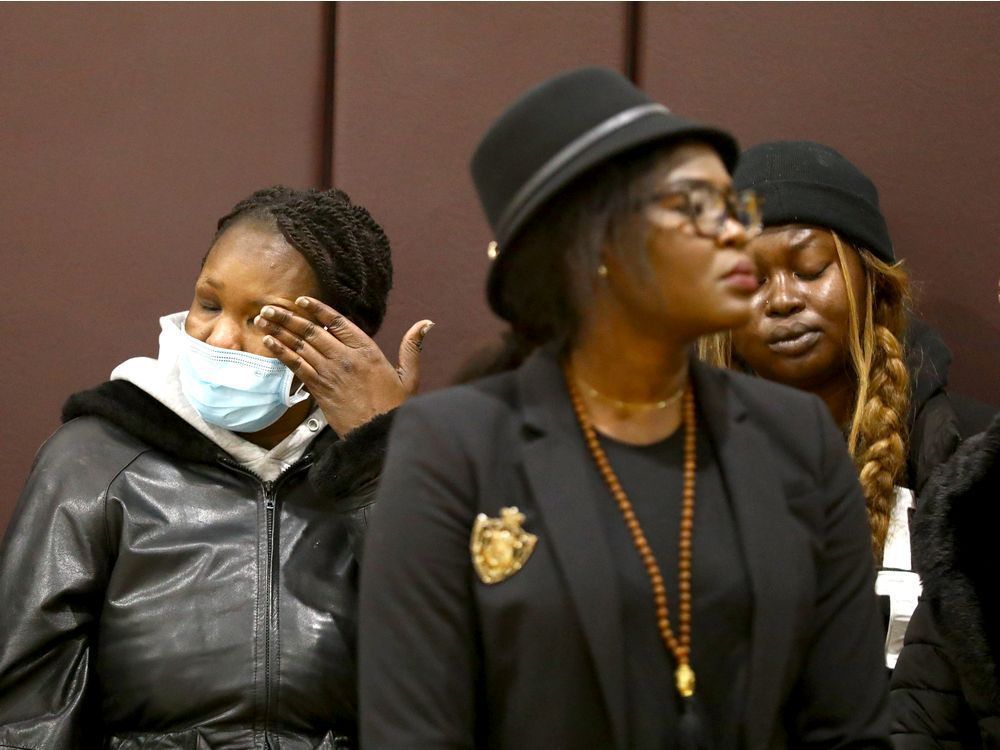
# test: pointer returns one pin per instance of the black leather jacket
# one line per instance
(155, 594)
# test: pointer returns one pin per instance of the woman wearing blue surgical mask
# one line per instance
(181, 569)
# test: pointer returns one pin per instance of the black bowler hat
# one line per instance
(556, 132)
(801, 182)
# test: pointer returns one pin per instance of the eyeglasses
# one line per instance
(707, 207)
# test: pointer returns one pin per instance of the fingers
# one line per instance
(292, 359)
(290, 328)
(304, 343)
(344, 330)
(409, 355)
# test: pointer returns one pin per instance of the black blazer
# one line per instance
(536, 661)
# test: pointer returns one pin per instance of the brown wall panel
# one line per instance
(911, 92)
(416, 86)
(126, 130)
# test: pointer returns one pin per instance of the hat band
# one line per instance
(570, 151)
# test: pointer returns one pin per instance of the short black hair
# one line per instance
(346, 248)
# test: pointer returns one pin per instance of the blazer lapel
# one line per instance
(559, 474)
(760, 512)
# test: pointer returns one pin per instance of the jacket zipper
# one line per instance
(272, 604)
(269, 491)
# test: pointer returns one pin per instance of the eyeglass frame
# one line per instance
(733, 200)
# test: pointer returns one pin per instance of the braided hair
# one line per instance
(345, 247)
(878, 435)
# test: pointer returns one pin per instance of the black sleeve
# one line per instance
(973, 415)
(54, 565)
(840, 700)
(934, 437)
(928, 708)
(418, 659)
(351, 465)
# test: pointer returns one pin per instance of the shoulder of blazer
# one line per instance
(465, 409)
(770, 401)
(773, 405)
(795, 425)
(531, 395)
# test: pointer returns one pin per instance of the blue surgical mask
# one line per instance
(236, 390)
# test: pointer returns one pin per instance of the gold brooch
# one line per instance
(499, 546)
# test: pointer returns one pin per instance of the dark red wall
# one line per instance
(127, 129)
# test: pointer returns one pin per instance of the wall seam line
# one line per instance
(633, 34)
(329, 93)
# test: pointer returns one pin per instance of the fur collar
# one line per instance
(139, 414)
(954, 545)
(341, 467)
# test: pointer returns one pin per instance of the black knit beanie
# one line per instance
(800, 182)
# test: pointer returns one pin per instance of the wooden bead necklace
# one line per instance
(679, 645)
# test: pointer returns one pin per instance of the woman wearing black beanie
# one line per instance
(831, 309)
(830, 318)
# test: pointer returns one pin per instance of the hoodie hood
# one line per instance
(928, 359)
(160, 378)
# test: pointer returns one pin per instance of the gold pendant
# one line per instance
(684, 676)
(499, 546)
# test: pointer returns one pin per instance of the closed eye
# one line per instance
(811, 275)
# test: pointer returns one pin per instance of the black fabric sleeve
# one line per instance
(54, 565)
(934, 437)
(927, 705)
(418, 659)
(347, 472)
(840, 700)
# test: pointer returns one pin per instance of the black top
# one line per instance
(652, 477)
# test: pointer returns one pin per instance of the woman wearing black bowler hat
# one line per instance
(615, 546)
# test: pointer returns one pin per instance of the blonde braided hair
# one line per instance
(878, 434)
(877, 438)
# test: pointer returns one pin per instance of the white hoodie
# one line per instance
(160, 378)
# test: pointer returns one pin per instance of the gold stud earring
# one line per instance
(492, 251)
(602, 270)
